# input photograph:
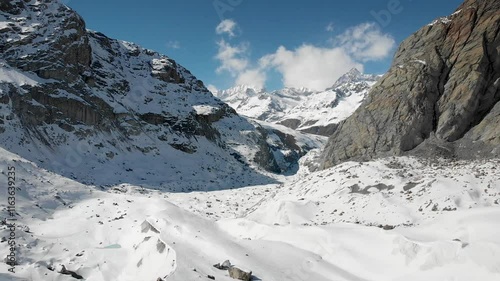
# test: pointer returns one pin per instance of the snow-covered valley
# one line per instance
(117, 163)
(392, 219)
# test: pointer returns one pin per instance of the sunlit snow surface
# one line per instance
(312, 226)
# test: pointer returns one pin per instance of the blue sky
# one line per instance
(271, 43)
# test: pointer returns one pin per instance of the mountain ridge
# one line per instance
(316, 112)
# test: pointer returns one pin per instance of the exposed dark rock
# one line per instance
(326, 131)
(291, 123)
(264, 157)
(69, 272)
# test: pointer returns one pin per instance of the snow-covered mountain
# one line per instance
(74, 101)
(262, 105)
(320, 112)
(122, 166)
(315, 112)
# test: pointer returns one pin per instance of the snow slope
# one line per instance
(126, 232)
(334, 104)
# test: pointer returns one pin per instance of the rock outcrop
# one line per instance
(439, 98)
(239, 274)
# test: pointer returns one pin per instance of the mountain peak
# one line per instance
(354, 71)
(249, 87)
(353, 76)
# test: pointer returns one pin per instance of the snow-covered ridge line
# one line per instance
(302, 109)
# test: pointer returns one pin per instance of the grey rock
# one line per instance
(237, 273)
(224, 266)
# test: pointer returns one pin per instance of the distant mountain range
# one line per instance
(315, 112)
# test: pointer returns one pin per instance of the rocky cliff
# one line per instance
(77, 102)
(439, 98)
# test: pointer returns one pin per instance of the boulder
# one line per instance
(239, 274)
(224, 266)
(73, 274)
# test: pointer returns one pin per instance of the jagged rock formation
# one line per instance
(74, 100)
(440, 97)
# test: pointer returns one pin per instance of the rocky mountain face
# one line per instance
(316, 112)
(439, 98)
(74, 100)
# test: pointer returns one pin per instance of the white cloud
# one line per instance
(366, 42)
(330, 27)
(235, 60)
(212, 88)
(173, 45)
(309, 66)
(232, 58)
(252, 77)
(318, 68)
(227, 26)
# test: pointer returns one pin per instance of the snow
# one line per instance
(443, 20)
(205, 109)
(261, 105)
(11, 75)
(126, 232)
(421, 62)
